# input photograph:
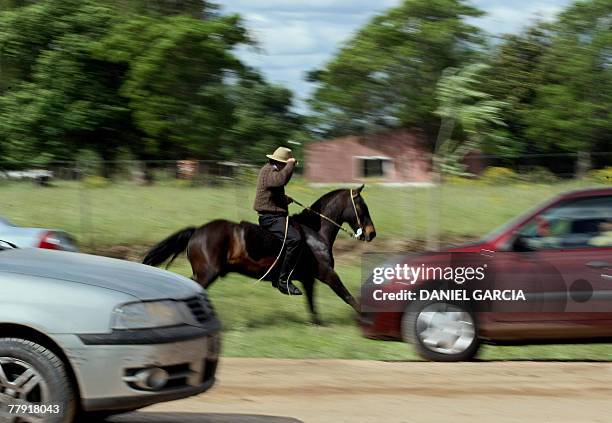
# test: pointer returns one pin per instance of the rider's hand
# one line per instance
(289, 199)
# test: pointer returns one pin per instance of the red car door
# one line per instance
(562, 259)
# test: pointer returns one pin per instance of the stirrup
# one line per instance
(287, 288)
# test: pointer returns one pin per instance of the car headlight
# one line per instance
(147, 315)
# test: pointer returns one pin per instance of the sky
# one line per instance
(297, 36)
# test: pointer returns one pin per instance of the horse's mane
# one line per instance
(306, 217)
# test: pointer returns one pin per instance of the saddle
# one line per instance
(262, 243)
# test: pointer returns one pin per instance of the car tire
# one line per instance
(46, 376)
(99, 416)
(441, 331)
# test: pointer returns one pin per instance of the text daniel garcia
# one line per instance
(450, 295)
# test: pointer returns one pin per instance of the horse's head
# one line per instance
(357, 215)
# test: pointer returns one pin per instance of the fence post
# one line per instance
(85, 210)
(583, 164)
(434, 210)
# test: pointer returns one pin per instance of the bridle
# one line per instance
(359, 231)
(355, 234)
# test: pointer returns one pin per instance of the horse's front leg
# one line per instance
(331, 278)
(308, 284)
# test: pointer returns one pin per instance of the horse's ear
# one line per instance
(357, 191)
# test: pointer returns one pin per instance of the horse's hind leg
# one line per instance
(205, 277)
(211, 248)
(205, 271)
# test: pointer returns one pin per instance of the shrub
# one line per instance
(96, 182)
(540, 175)
(248, 175)
(89, 162)
(498, 176)
(458, 180)
(166, 181)
(182, 183)
(601, 175)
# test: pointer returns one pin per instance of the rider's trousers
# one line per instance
(275, 223)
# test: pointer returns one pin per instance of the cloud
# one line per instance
(332, 6)
(296, 36)
(503, 17)
(293, 33)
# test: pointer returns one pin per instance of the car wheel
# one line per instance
(441, 331)
(98, 416)
(31, 376)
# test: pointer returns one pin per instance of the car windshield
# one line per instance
(4, 222)
(504, 228)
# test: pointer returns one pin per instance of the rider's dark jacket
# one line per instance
(270, 197)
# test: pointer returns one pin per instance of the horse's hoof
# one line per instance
(318, 322)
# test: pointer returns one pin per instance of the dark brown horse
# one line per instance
(221, 246)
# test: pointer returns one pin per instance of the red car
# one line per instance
(546, 277)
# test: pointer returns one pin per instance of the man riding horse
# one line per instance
(221, 246)
(272, 205)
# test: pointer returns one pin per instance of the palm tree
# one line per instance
(460, 103)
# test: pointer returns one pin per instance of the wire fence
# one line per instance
(554, 166)
(138, 203)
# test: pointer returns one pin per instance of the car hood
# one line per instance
(468, 247)
(138, 280)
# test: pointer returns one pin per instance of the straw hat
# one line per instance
(281, 154)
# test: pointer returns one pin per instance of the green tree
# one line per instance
(198, 9)
(386, 74)
(572, 110)
(463, 104)
(60, 99)
(13, 4)
(160, 77)
(514, 77)
(264, 119)
(177, 69)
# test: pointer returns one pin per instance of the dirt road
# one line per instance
(290, 391)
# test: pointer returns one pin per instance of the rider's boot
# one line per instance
(287, 288)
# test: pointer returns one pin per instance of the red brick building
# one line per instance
(399, 156)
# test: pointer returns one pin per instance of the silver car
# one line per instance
(51, 239)
(82, 334)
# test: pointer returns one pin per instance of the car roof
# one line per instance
(591, 192)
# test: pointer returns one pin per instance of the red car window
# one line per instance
(578, 223)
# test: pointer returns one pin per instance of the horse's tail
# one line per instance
(174, 245)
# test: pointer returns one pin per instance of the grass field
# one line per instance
(131, 214)
(258, 321)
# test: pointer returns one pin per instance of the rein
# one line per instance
(356, 234)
